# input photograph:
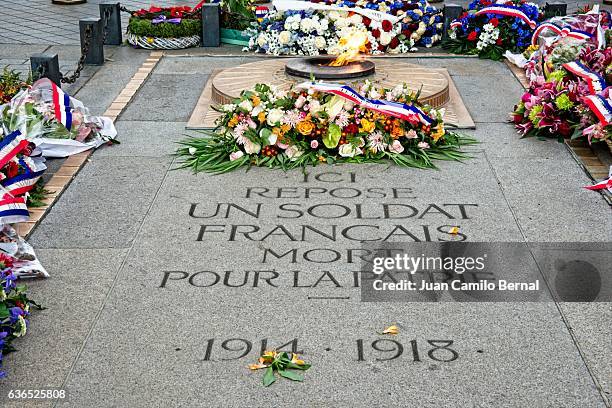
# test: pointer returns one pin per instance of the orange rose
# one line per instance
(305, 127)
(397, 131)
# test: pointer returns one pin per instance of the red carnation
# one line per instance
(351, 129)
(472, 36)
(12, 169)
(366, 21)
(517, 119)
(494, 21)
(387, 26)
(394, 43)
(498, 41)
(407, 33)
(376, 33)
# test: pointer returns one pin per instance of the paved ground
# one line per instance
(116, 334)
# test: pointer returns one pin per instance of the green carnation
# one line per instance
(533, 114)
(556, 76)
(563, 102)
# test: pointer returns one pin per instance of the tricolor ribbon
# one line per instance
(10, 146)
(595, 81)
(23, 183)
(397, 110)
(560, 32)
(261, 12)
(13, 209)
(455, 24)
(601, 107)
(602, 184)
(507, 11)
(61, 105)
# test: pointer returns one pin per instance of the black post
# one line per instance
(111, 18)
(47, 66)
(555, 9)
(211, 28)
(91, 40)
(451, 12)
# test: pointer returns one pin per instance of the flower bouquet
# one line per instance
(558, 102)
(14, 308)
(488, 29)
(10, 84)
(165, 27)
(59, 124)
(312, 31)
(313, 123)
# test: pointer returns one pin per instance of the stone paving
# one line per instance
(137, 318)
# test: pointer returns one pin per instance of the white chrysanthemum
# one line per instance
(284, 37)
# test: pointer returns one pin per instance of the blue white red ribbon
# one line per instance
(61, 106)
(10, 146)
(595, 81)
(561, 32)
(601, 107)
(23, 183)
(507, 11)
(398, 110)
(455, 24)
(13, 209)
(261, 12)
(601, 185)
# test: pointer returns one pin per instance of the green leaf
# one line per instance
(269, 377)
(4, 312)
(293, 376)
(265, 134)
(332, 138)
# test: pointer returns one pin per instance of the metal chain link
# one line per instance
(81, 64)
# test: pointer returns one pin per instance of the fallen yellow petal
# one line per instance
(391, 330)
(257, 366)
(295, 359)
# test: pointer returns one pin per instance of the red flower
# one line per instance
(394, 43)
(381, 47)
(472, 36)
(366, 21)
(407, 33)
(498, 41)
(517, 119)
(12, 169)
(154, 9)
(494, 21)
(564, 129)
(376, 33)
(387, 26)
(6, 261)
(351, 129)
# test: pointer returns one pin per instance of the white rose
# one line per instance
(348, 150)
(356, 18)
(257, 110)
(385, 38)
(274, 116)
(334, 15)
(293, 152)
(320, 42)
(284, 37)
(251, 148)
(315, 107)
(261, 40)
(246, 105)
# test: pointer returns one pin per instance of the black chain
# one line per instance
(126, 10)
(81, 64)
